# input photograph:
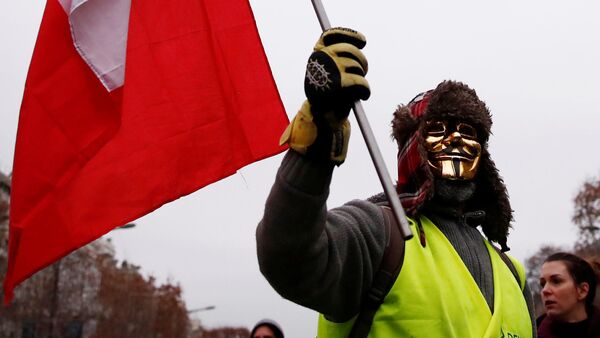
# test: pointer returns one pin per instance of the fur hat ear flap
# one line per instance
(491, 196)
(403, 125)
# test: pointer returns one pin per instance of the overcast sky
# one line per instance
(535, 63)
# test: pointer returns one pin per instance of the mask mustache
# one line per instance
(451, 151)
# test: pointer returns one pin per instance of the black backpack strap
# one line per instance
(384, 278)
(510, 265)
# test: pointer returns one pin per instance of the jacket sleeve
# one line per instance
(324, 260)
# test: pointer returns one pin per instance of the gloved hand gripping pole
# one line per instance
(367, 132)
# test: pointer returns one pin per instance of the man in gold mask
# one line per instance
(454, 282)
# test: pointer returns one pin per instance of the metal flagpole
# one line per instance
(365, 128)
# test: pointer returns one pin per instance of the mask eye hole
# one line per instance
(435, 128)
(467, 130)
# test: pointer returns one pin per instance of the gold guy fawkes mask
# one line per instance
(452, 148)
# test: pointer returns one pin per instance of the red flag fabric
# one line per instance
(197, 102)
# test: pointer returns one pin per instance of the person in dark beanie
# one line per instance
(455, 281)
(266, 328)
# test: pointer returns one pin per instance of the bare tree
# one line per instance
(3, 211)
(89, 294)
(587, 215)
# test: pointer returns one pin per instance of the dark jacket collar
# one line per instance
(545, 325)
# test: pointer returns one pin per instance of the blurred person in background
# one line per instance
(568, 290)
(266, 328)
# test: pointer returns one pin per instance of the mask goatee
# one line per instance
(453, 192)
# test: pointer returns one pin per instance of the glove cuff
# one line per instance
(321, 139)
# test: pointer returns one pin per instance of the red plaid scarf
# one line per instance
(414, 177)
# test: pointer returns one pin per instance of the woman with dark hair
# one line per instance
(568, 291)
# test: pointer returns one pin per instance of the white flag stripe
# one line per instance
(99, 31)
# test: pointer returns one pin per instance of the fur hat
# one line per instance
(449, 100)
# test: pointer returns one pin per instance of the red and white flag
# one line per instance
(130, 104)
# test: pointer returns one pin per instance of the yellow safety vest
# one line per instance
(435, 295)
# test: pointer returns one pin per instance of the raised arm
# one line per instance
(317, 258)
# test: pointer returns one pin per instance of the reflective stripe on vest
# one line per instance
(436, 296)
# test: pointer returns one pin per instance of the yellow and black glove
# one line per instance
(334, 81)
